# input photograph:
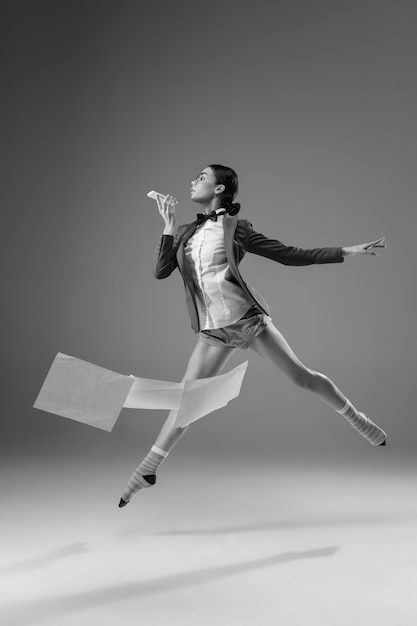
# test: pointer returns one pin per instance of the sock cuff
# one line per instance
(159, 451)
(345, 408)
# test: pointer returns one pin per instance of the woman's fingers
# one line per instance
(164, 204)
(367, 247)
(377, 243)
(170, 206)
(166, 207)
(160, 205)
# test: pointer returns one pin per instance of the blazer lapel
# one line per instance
(189, 231)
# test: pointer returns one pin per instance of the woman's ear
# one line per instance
(219, 189)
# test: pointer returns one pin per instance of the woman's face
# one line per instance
(205, 186)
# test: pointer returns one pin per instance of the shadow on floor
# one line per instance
(345, 520)
(43, 560)
(371, 520)
(50, 608)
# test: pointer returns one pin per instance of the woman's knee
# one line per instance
(306, 378)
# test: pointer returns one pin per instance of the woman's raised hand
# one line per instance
(166, 209)
(365, 248)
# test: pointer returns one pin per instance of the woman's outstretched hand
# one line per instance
(364, 248)
(166, 209)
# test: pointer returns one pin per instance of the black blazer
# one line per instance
(239, 238)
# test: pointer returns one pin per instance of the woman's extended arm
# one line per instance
(275, 250)
(290, 255)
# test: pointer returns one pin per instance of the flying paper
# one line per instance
(93, 395)
(206, 395)
(83, 392)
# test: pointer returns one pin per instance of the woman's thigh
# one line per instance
(207, 360)
(272, 344)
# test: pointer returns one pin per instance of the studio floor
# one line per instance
(286, 544)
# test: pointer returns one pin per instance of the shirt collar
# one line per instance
(220, 211)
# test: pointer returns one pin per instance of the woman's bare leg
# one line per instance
(205, 361)
(272, 345)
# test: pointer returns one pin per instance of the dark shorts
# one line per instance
(241, 333)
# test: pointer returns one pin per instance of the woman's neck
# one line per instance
(214, 204)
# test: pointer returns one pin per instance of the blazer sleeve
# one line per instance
(289, 255)
(165, 258)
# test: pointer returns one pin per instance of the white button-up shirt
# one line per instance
(219, 301)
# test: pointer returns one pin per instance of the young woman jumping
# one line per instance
(225, 311)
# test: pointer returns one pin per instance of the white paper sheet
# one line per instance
(206, 395)
(94, 395)
(154, 394)
(84, 392)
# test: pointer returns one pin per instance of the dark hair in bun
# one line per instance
(234, 208)
(227, 177)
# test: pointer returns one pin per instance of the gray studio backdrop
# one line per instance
(313, 103)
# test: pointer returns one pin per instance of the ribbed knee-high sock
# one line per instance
(365, 427)
(148, 466)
